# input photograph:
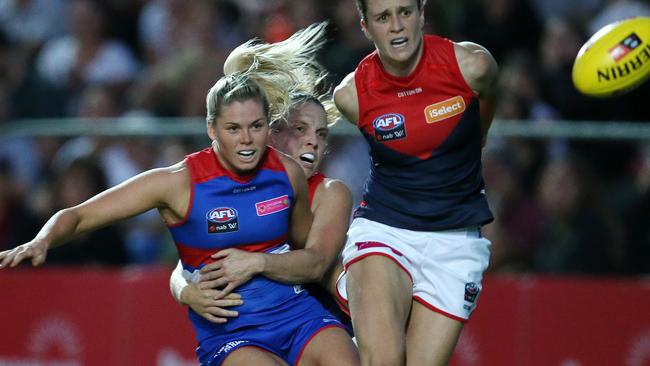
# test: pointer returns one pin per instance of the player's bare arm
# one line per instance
(331, 207)
(331, 210)
(345, 99)
(480, 71)
(151, 189)
(301, 216)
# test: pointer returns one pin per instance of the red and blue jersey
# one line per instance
(424, 134)
(249, 213)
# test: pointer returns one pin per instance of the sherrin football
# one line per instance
(615, 59)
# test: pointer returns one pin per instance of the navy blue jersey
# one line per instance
(424, 135)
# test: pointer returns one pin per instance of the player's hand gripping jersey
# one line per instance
(425, 143)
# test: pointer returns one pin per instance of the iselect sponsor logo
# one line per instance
(442, 110)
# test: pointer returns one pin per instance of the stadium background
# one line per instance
(567, 176)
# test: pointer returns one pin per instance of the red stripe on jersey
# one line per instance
(205, 165)
(194, 257)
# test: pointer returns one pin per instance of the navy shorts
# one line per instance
(286, 339)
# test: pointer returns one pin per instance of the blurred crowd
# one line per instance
(561, 206)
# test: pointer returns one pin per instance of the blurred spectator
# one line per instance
(86, 56)
(120, 159)
(348, 46)
(17, 224)
(560, 42)
(347, 159)
(579, 235)
(33, 22)
(79, 181)
(169, 27)
(581, 10)
(188, 59)
(637, 259)
(521, 92)
(96, 105)
(501, 26)
(163, 89)
(616, 10)
(518, 218)
(23, 94)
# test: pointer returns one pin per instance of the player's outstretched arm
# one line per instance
(137, 195)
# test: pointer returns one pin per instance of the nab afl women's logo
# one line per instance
(389, 126)
(222, 220)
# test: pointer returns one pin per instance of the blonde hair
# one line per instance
(286, 68)
(237, 87)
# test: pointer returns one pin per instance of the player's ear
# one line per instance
(211, 125)
(422, 14)
(364, 29)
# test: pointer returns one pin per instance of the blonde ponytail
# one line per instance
(285, 68)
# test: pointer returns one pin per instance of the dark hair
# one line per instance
(362, 7)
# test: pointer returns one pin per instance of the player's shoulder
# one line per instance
(476, 64)
(333, 190)
(292, 169)
(289, 164)
(346, 88)
(345, 98)
(178, 171)
(175, 174)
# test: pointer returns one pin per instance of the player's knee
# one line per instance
(382, 355)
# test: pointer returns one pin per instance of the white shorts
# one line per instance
(446, 267)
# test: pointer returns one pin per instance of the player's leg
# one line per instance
(331, 346)
(379, 297)
(331, 277)
(447, 281)
(245, 356)
(430, 337)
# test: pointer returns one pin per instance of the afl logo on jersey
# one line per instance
(389, 126)
(222, 220)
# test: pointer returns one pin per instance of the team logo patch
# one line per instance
(391, 126)
(272, 206)
(222, 220)
(442, 110)
(471, 291)
(624, 47)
